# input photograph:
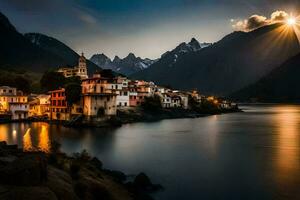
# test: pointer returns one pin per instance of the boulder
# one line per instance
(60, 183)
(28, 170)
(30, 193)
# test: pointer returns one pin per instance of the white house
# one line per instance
(120, 87)
(13, 102)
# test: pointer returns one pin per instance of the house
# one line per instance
(99, 99)
(174, 100)
(40, 106)
(80, 70)
(119, 86)
(13, 102)
(133, 94)
(138, 90)
(165, 100)
(58, 105)
(184, 100)
(195, 94)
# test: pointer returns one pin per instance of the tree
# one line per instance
(152, 103)
(73, 93)
(52, 80)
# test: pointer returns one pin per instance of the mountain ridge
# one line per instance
(128, 65)
(277, 86)
(20, 52)
(237, 60)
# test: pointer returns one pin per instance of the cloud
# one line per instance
(279, 16)
(256, 21)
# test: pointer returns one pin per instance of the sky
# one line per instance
(147, 28)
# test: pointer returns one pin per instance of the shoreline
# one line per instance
(133, 116)
(55, 175)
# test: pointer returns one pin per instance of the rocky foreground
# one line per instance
(55, 176)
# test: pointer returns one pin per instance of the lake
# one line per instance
(250, 155)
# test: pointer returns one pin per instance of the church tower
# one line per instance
(82, 67)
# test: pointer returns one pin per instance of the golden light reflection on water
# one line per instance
(27, 142)
(287, 161)
(3, 133)
(44, 141)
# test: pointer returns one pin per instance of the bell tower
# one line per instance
(82, 67)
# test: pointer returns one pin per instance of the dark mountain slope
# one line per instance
(58, 48)
(33, 52)
(281, 85)
(234, 62)
(18, 52)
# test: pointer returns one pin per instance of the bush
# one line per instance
(82, 156)
(152, 103)
(97, 163)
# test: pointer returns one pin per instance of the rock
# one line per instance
(117, 175)
(2, 144)
(142, 180)
(28, 170)
(7, 159)
(30, 193)
(60, 183)
(97, 163)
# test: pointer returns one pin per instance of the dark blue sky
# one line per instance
(147, 28)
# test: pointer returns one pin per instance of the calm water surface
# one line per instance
(251, 155)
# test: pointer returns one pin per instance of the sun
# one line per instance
(291, 21)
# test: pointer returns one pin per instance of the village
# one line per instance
(101, 98)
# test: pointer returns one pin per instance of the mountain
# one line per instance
(237, 60)
(128, 65)
(33, 52)
(18, 52)
(278, 86)
(58, 48)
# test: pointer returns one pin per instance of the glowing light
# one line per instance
(27, 143)
(44, 141)
(291, 21)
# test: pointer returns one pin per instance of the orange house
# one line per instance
(58, 105)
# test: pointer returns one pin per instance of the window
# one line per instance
(125, 93)
(125, 104)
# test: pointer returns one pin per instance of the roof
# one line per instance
(58, 90)
(99, 94)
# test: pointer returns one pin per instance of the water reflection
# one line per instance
(3, 133)
(27, 142)
(287, 160)
(44, 141)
